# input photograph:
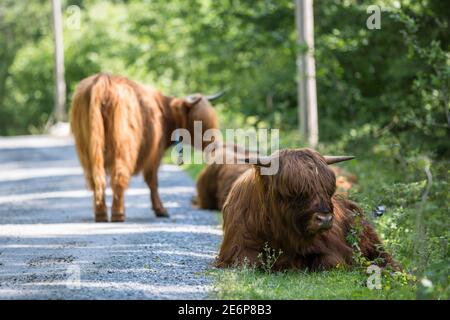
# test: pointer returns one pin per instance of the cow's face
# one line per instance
(304, 187)
(199, 117)
(316, 217)
(300, 194)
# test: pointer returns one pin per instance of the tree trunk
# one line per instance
(307, 96)
(60, 84)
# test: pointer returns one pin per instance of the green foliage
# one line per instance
(268, 257)
(25, 66)
(394, 80)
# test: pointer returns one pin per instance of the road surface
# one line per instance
(50, 248)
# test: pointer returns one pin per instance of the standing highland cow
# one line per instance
(122, 127)
(296, 212)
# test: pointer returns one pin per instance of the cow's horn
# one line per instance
(336, 159)
(259, 161)
(215, 96)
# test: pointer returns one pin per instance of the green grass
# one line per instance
(193, 170)
(298, 285)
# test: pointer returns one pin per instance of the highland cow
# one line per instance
(122, 128)
(215, 180)
(295, 212)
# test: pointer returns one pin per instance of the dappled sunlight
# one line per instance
(34, 142)
(30, 173)
(91, 229)
(146, 289)
(86, 193)
(143, 205)
(186, 253)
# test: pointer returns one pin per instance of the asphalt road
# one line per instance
(50, 248)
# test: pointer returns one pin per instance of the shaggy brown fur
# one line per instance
(122, 128)
(215, 180)
(280, 211)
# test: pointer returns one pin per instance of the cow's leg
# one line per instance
(100, 209)
(151, 178)
(101, 212)
(119, 182)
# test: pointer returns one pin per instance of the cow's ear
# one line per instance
(259, 161)
(192, 100)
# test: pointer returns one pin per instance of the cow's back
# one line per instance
(131, 118)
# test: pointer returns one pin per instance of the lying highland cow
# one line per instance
(122, 127)
(296, 212)
(215, 180)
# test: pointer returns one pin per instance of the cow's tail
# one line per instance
(97, 136)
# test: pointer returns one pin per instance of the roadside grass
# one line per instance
(247, 283)
(193, 170)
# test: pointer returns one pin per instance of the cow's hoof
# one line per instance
(117, 217)
(161, 213)
(101, 217)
